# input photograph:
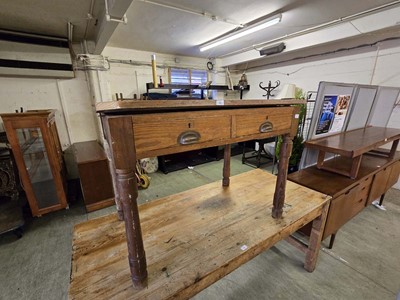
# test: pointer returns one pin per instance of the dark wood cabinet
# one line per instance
(94, 174)
(37, 150)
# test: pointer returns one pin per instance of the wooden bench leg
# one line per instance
(321, 158)
(111, 165)
(317, 231)
(393, 149)
(117, 198)
(227, 165)
(279, 196)
(355, 166)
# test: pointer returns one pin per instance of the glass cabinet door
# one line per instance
(38, 166)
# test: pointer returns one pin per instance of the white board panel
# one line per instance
(385, 100)
(361, 106)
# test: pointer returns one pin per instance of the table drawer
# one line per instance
(263, 120)
(176, 131)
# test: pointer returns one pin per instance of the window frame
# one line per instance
(191, 91)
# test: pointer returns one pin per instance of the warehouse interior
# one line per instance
(69, 68)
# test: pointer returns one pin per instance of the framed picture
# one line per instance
(333, 113)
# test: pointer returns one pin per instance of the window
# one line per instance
(186, 76)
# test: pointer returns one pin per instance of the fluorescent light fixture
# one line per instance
(241, 33)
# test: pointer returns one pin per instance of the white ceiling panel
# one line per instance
(179, 27)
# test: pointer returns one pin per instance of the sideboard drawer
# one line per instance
(342, 209)
(365, 187)
(170, 130)
(263, 120)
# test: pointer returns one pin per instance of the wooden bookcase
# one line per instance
(37, 150)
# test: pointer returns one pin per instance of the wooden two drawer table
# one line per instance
(193, 238)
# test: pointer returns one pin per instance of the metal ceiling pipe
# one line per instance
(70, 31)
(314, 28)
(89, 18)
(190, 11)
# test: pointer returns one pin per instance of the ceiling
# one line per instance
(156, 28)
(51, 17)
(176, 26)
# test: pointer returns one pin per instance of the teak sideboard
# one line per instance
(196, 237)
(372, 170)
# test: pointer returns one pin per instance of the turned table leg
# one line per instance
(317, 232)
(279, 196)
(227, 165)
(117, 198)
(121, 141)
(108, 152)
(127, 186)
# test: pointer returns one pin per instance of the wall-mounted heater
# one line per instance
(31, 55)
(274, 49)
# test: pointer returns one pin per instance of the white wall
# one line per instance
(130, 79)
(374, 65)
(70, 97)
(358, 66)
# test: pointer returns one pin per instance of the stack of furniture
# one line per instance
(358, 174)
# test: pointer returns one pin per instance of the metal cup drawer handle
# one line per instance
(188, 137)
(266, 127)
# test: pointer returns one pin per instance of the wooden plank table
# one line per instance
(137, 129)
(215, 230)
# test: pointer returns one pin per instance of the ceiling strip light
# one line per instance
(241, 33)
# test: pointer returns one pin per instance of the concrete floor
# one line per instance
(363, 264)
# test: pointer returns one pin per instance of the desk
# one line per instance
(137, 129)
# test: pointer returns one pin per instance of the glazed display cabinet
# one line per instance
(37, 150)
